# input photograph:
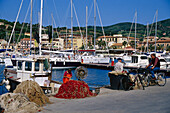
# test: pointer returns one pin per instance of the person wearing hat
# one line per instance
(119, 66)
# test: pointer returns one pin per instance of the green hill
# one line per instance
(120, 28)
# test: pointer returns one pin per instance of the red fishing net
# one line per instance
(74, 89)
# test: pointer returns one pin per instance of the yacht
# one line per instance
(126, 58)
(98, 59)
(62, 60)
(138, 61)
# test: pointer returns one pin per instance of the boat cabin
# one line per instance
(36, 69)
(138, 60)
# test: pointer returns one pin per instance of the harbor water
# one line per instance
(2, 88)
(96, 77)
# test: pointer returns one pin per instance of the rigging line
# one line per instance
(14, 24)
(143, 39)
(57, 13)
(48, 12)
(152, 24)
(101, 24)
(35, 13)
(23, 25)
(56, 28)
(67, 13)
(90, 12)
(78, 23)
(26, 29)
(47, 17)
(131, 28)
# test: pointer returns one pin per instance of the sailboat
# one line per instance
(93, 58)
(137, 60)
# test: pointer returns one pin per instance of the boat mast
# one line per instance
(40, 30)
(147, 35)
(66, 37)
(86, 24)
(71, 24)
(52, 30)
(156, 28)
(135, 29)
(31, 27)
(94, 26)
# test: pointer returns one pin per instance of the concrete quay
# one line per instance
(154, 99)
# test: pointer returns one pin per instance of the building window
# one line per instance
(28, 66)
(19, 65)
(37, 65)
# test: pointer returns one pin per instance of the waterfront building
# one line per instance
(58, 43)
(150, 38)
(162, 43)
(24, 44)
(117, 40)
(2, 43)
(1, 23)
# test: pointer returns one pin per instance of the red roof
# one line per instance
(26, 39)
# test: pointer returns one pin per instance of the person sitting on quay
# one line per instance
(67, 76)
(118, 68)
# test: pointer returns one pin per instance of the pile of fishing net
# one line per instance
(74, 89)
(33, 91)
(17, 103)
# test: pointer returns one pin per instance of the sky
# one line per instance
(111, 11)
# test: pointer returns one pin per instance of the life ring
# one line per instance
(81, 72)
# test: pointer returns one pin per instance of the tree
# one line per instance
(124, 44)
(82, 47)
(168, 48)
(114, 47)
(151, 47)
(132, 43)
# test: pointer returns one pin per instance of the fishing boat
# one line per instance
(33, 68)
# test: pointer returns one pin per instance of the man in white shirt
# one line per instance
(118, 68)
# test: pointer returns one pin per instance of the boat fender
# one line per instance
(5, 81)
(8, 87)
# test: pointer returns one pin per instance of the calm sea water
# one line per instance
(96, 77)
(2, 88)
